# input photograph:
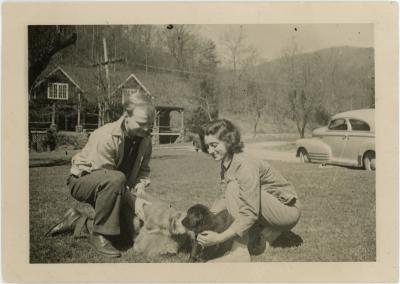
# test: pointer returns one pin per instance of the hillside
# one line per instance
(346, 74)
(343, 75)
(334, 79)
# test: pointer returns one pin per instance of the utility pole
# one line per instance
(104, 108)
(106, 67)
(107, 102)
(146, 61)
(115, 51)
(93, 40)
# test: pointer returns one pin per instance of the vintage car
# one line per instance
(349, 140)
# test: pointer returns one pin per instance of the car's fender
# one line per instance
(316, 148)
(367, 145)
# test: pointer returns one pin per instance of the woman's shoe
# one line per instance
(260, 241)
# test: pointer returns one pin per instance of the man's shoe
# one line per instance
(66, 225)
(257, 246)
(103, 246)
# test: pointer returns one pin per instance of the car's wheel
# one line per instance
(303, 156)
(369, 161)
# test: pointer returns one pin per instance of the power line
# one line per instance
(123, 60)
(170, 69)
(111, 61)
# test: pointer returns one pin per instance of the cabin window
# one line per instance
(359, 125)
(127, 92)
(57, 91)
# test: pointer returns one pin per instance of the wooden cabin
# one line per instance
(55, 102)
(164, 131)
(166, 128)
(66, 98)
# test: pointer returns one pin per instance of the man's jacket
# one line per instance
(105, 149)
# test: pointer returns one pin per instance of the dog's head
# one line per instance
(161, 216)
(176, 226)
(196, 218)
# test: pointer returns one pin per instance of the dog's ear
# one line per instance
(197, 220)
(185, 222)
(190, 221)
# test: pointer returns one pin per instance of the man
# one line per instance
(115, 159)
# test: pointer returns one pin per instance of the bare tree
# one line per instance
(147, 40)
(181, 42)
(206, 98)
(304, 86)
(255, 91)
(240, 57)
(257, 102)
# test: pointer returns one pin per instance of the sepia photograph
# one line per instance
(195, 143)
(207, 142)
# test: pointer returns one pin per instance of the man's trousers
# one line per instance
(105, 190)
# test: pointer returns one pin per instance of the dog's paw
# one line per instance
(171, 248)
(137, 249)
(194, 258)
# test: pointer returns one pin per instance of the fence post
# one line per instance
(78, 127)
(53, 125)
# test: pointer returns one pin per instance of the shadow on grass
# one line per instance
(287, 240)
(354, 168)
(36, 163)
(333, 166)
(166, 157)
(257, 246)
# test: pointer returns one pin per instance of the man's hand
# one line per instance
(287, 198)
(138, 190)
(140, 203)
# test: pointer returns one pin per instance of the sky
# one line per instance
(271, 39)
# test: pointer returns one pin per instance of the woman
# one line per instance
(262, 203)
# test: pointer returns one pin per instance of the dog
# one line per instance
(198, 219)
(161, 232)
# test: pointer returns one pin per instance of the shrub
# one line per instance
(321, 116)
(72, 140)
(190, 136)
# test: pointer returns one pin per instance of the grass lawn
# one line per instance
(337, 223)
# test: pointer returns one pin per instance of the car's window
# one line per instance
(338, 124)
(359, 125)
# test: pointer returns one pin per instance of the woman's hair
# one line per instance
(225, 131)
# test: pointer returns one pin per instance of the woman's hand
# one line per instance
(209, 238)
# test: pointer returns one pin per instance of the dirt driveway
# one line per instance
(274, 150)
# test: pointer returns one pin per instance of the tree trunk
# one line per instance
(299, 129)
(256, 123)
(36, 68)
(301, 126)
